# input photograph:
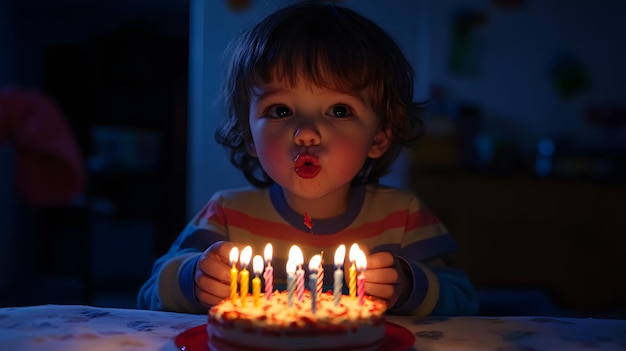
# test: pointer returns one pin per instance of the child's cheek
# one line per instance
(273, 155)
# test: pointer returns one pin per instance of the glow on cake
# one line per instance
(274, 326)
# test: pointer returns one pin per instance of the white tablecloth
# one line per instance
(73, 328)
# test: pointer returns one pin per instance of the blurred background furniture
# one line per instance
(528, 234)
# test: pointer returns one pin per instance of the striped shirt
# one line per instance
(382, 218)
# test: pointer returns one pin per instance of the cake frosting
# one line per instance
(273, 325)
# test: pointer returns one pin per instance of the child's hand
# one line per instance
(384, 278)
(212, 276)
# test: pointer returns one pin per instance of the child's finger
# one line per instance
(381, 291)
(208, 298)
(211, 285)
(382, 276)
(221, 250)
(380, 260)
(211, 267)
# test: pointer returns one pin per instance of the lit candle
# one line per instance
(354, 250)
(320, 276)
(340, 255)
(269, 272)
(314, 265)
(234, 255)
(244, 275)
(291, 281)
(296, 255)
(361, 264)
(300, 283)
(257, 266)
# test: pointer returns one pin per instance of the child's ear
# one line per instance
(380, 144)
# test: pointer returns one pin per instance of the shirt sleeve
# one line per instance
(433, 291)
(171, 284)
(438, 292)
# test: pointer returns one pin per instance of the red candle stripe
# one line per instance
(361, 288)
(268, 275)
(300, 284)
(320, 281)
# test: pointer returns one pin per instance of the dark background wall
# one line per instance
(118, 71)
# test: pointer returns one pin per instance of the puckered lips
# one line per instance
(306, 166)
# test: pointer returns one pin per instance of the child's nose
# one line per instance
(306, 136)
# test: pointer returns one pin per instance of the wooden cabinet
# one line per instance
(565, 237)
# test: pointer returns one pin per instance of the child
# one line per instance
(319, 103)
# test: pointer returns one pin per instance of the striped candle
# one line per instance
(244, 274)
(361, 288)
(300, 283)
(361, 263)
(314, 265)
(268, 275)
(234, 273)
(340, 255)
(257, 267)
(296, 256)
(291, 282)
(352, 255)
(320, 281)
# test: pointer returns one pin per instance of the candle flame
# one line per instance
(340, 255)
(246, 255)
(361, 261)
(314, 263)
(354, 249)
(290, 267)
(257, 264)
(268, 252)
(234, 254)
(295, 255)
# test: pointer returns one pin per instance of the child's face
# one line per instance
(312, 141)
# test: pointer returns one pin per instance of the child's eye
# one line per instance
(340, 111)
(278, 111)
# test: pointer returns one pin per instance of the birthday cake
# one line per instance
(274, 325)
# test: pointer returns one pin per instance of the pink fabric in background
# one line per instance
(49, 166)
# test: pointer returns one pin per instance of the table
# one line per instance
(72, 327)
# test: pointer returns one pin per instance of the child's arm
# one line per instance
(162, 290)
(191, 282)
(436, 289)
(172, 286)
(413, 277)
(412, 287)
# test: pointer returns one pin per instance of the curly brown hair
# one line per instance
(329, 46)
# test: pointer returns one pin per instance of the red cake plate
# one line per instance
(397, 338)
